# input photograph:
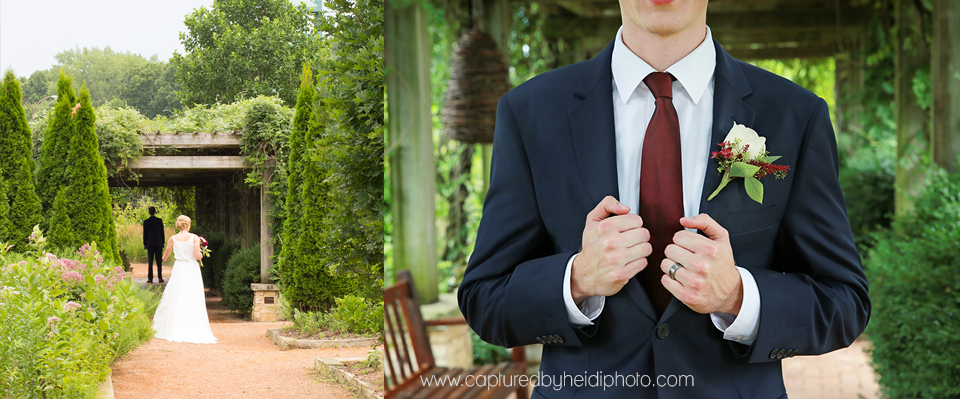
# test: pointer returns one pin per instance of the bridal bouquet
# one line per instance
(204, 250)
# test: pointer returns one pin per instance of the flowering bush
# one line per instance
(64, 320)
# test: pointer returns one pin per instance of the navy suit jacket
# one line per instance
(554, 160)
(153, 235)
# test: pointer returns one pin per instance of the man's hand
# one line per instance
(614, 249)
(708, 282)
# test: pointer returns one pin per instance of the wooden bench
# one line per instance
(410, 360)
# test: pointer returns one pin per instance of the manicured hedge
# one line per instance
(243, 269)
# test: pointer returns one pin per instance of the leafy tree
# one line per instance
(293, 222)
(152, 88)
(53, 165)
(25, 212)
(244, 47)
(350, 150)
(41, 83)
(104, 71)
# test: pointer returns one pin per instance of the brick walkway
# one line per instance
(840, 374)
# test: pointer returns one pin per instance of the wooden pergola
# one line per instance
(210, 162)
(748, 29)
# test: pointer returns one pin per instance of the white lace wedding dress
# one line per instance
(182, 313)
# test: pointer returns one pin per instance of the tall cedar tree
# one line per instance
(60, 234)
(57, 140)
(89, 204)
(351, 147)
(310, 281)
(5, 226)
(14, 131)
(292, 226)
(25, 211)
(16, 166)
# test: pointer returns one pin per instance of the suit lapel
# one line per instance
(595, 144)
(592, 128)
(730, 89)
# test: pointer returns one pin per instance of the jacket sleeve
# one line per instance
(816, 300)
(511, 293)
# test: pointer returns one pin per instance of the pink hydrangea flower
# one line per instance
(71, 306)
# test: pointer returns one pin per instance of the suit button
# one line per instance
(794, 353)
(663, 331)
(551, 339)
(780, 353)
(558, 339)
(773, 354)
(540, 340)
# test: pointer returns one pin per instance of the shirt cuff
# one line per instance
(743, 327)
(589, 309)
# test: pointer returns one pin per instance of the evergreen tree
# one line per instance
(54, 167)
(4, 208)
(301, 121)
(25, 211)
(89, 205)
(310, 283)
(60, 234)
(14, 132)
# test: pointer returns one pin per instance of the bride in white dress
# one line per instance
(182, 313)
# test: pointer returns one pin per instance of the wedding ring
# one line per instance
(673, 269)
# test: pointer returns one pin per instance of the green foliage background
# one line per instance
(912, 270)
(244, 48)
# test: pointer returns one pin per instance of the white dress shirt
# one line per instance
(633, 106)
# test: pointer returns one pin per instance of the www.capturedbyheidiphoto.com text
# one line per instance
(558, 382)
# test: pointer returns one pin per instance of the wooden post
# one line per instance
(496, 20)
(410, 145)
(249, 216)
(849, 83)
(266, 233)
(945, 79)
(911, 55)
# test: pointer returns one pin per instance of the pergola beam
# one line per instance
(192, 163)
(190, 140)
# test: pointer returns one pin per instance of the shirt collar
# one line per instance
(693, 71)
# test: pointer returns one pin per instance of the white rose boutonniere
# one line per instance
(743, 153)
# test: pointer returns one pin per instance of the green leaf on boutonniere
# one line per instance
(743, 169)
(771, 159)
(754, 188)
(723, 183)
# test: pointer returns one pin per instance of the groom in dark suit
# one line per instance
(153, 238)
(597, 239)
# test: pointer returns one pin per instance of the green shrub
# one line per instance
(352, 314)
(242, 270)
(484, 353)
(915, 291)
(357, 314)
(869, 194)
(214, 266)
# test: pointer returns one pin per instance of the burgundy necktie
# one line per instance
(661, 185)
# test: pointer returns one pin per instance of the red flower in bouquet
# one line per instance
(204, 251)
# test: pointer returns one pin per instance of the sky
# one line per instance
(32, 32)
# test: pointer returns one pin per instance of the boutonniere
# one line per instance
(743, 154)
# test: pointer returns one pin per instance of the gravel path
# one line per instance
(242, 364)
